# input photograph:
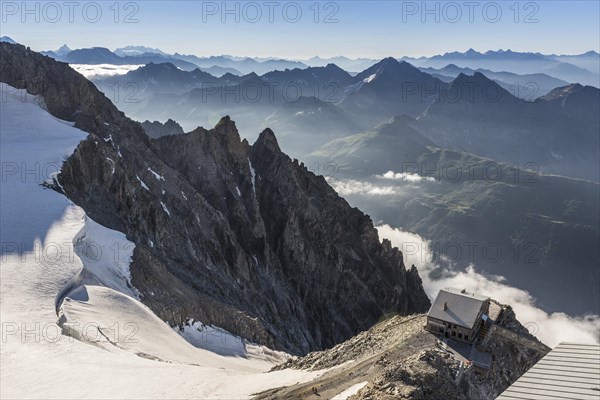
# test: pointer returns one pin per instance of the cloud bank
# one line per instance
(549, 328)
(406, 177)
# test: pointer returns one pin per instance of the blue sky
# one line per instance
(303, 29)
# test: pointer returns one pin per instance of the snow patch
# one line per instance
(370, 78)
(351, 391)
(220, 341)
(54, 180)
(157, 176)
(165, 208)
(142, 183)
(112, 163)
(253, 174)
(106, 255)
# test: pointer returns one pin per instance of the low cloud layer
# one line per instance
(389, 184)
(406, 177)
(350, 187)
(102, 70)
(549, 328)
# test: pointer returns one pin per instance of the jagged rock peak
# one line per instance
(157, 129)
(267, 140)
(228, 131)
(226, 126)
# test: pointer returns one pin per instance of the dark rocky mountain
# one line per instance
(325, 83)
(255, 102)
(368, 153)
(578, 102)
(525, 86)
(157, 129)
(476, 115)
(7, 39)
(541, 225)
(390, 88)
(217, 71)
(228, 233)
(155, 78)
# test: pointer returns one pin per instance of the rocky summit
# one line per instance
(231, 234)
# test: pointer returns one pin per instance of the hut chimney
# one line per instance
(445, 306)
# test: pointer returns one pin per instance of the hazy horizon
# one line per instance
(398, 56)
(302, 30)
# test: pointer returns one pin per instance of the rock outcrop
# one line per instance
(397, 359)
(157, 129)
(228, 233)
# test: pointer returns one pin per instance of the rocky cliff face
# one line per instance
(228, 233)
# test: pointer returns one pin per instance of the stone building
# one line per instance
(457, 314)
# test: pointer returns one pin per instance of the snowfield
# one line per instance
(72, 323)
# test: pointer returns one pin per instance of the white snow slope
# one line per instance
(59, 265)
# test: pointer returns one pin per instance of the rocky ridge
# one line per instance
(398, 359)
(228, 233)
(157, 129)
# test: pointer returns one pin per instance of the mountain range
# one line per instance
(526, 86)
(236, 235)
(144, 55)
(469, 113)
(583, 68)
(477, 115)
(470, 123)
